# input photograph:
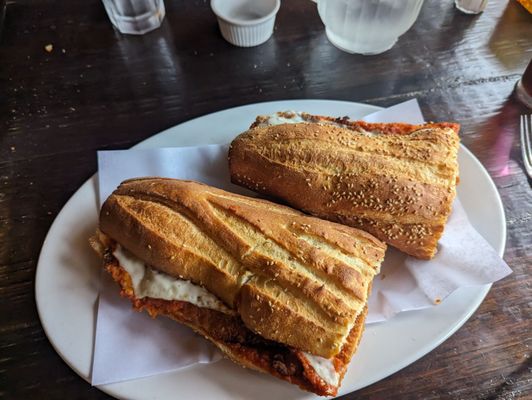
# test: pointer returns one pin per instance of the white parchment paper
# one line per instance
(131, 345)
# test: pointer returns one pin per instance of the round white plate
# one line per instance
(68, 276)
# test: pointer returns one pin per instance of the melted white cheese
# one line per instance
(324, 367)
(293, 117)
(150, 283)
(281, 118)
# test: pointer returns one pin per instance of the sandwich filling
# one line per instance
(294, 117)
(147, 282)
(288, 117)
(324, 367)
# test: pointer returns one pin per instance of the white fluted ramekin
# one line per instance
(246, 23)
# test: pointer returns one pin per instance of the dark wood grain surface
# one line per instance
(98, 89)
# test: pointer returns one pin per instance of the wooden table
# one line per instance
(98, 89)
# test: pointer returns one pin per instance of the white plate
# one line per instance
(67, 280)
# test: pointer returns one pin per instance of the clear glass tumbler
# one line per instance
(135, 17)
(367, 26)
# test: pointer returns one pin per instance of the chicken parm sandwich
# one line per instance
(275, 290)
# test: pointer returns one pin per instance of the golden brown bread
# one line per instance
(395, 181)
(293, 279)
(232, 337)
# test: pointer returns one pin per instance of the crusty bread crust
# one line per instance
(395, 181)
(291, 278)
(232, 337)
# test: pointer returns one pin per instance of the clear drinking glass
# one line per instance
(367, 26)
(135, 17)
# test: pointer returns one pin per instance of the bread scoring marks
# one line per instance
(148, 282)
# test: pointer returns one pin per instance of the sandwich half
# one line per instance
(275, 290)
(396, 181)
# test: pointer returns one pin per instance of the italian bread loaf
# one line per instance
(395, 181)
(291, 278)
